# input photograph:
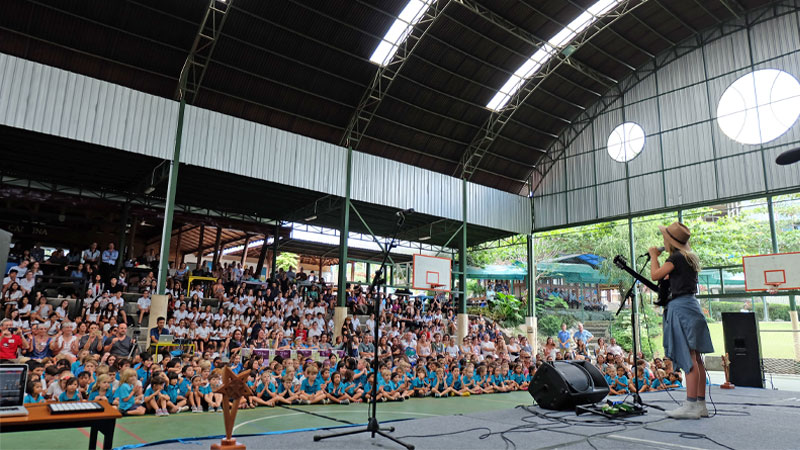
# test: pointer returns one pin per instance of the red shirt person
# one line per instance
(10, 342)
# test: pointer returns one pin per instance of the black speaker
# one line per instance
(562, 385)
(743, 346)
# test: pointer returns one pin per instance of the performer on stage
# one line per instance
(686, 335)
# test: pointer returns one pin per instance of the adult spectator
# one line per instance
(113, 287)
(21, 268)
(92, 341)
(27, 282)
(121, 345)
(157, 331)
(290, 274)
(11, 341)
(584, 335)
(144, 303)
(40, 343)
(109, 260)
(564, 339)
(613, 348)
(37, 252)
(367, 349)
(58, 258)
(91, 255)
(11, 278)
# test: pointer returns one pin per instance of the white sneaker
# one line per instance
(689, 410)
(703, 408)
(184, 408)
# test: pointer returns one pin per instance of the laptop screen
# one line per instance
(12, 384)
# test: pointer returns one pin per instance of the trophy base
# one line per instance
(727, 385)
(228, 444)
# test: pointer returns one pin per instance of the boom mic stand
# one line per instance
(373, 426)
(638, 404)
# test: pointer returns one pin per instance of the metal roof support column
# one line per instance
(275, 238)
(772, 231)
(462, 318)
(178, 255)
(261, 258)
(340, 313)
(200, 245)
(169, 207)
(637, 345)
(244, 251)
(217, 245)
(530, 319)
(122, 235)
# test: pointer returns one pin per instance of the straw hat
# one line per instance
(677, 234)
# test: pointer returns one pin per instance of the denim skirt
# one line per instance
(685, 329)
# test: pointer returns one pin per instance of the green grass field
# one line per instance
(773, 345)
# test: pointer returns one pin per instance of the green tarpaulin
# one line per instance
(570, 273)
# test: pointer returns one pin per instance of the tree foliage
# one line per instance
(286, 260)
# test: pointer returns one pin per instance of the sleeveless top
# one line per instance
(40, 354)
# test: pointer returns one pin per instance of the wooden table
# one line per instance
(39, 418)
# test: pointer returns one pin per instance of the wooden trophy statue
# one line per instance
(727, 366)
(232, 389)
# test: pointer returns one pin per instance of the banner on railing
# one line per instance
(269, 354)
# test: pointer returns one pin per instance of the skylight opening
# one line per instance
(399, 31)
(555, 44)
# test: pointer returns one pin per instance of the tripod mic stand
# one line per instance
(373, 426)
(638, 404)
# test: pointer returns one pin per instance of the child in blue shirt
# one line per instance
(265, 390)
(498, 381)
(155, 398)
(674, 381)
(126, 394)
(621, 383)
(213, 399)
(70, 393)
(102, 390)
(311, 388)
(176, 402)
(34, 392)
(420, 385)
(286, 392)
(336, 390)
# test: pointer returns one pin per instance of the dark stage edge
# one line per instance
(738, 424)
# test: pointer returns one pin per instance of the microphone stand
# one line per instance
(638, 404)
(373, 426)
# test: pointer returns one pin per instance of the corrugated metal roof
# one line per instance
(303, 66)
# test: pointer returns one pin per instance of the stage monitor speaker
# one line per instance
(562, 385)
(743, 346)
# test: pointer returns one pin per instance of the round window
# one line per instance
(625, 142)
(759, 107)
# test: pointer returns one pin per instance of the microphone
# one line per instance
(788, 157)
(405, 212)
(661, 249)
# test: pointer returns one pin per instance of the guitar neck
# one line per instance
(640, 278)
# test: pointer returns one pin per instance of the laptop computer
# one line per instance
(166, 339)
(12, 389)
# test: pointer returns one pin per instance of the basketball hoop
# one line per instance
(435, 286)
(773, 287)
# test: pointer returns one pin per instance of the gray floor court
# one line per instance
(746, 419)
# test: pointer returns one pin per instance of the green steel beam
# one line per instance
(172, 189)
(462, 254)
(369, 230)
(123, 235)
(531, 282)
(275, 239)
(772, 230)
(344, 231)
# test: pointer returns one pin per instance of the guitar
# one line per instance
(662, 288)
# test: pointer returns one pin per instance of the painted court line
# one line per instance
(332, 412)
(132, 434)
(652, 443)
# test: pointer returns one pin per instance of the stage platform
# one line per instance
(745, 419)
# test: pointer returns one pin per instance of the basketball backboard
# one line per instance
(777, 271)
(432, 273)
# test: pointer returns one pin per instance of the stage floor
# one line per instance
(745, 419)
